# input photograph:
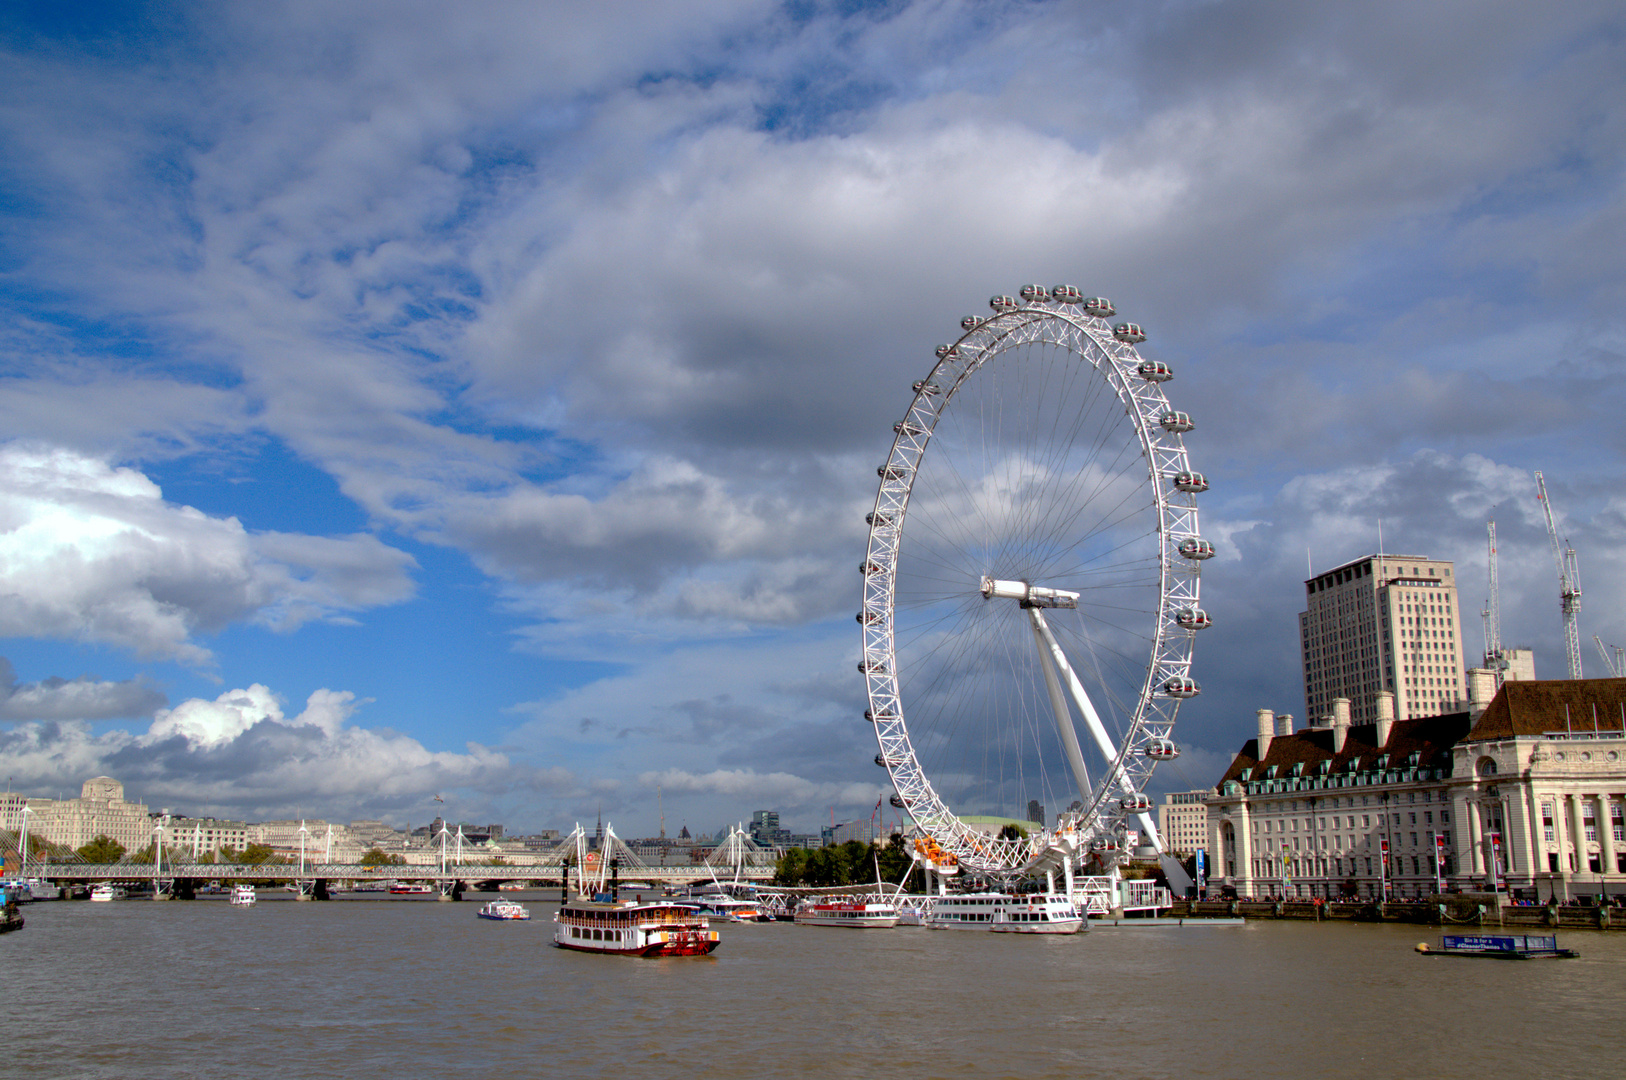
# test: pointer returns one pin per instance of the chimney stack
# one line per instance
(1386, 716)
(1340, 723)
(1481, 688)
(1267, 728)
(1284, 724)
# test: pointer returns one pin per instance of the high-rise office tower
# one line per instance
(1383, 622)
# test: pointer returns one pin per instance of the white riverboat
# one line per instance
(634, 928)
(102, 894)
(503, 911)
(1037, 913)
(857, 916)
(242, 895)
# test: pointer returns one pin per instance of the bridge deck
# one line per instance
(224, 872)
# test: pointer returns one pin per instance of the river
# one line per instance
(413, 988)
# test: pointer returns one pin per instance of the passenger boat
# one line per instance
(242, 895)
(848, 913)
(730, 910)
(403, 888)
(1501, 947)
(503, 911)
(634, 928)
(102, 894)
(1040, 913)
(988, 911)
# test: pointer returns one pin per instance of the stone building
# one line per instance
(197, 837)
(1526, 795)
(100, 810)
(1383, 623)
(1182, 820)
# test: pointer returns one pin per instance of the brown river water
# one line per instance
(406, 988)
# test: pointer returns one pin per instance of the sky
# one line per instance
(482, 401)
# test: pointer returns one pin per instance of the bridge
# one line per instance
(233, 873)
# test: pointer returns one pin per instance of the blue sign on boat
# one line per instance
(1512, 946)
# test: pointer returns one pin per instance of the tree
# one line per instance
(102, 851)
(1012, 831)
(252, 855)
(375, 857)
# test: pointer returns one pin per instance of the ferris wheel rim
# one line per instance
(1111, 355)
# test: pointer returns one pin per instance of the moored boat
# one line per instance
(102, 894)
(407, 888)
(634, 928)
(242, 895)
(858, 916)
(1037, 913)
(503, 911)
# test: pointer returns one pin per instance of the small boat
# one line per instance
(102, 894)
(849, 913)
(11, 916)
(503, 911)
(1500, 946)
(511, 886)
(242, 895)
(634, 928)
(727, 909)
(403, 888)
(373, 886)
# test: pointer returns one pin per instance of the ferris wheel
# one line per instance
(1031, 588)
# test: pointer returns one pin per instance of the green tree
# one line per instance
(375, 857)
(1012, 831)
(102, 851)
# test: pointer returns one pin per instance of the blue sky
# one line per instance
(400, 399)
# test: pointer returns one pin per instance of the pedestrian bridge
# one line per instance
(467, 875)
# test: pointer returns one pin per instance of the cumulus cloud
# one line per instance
(83, 698)
(242, 755)
(92, 552)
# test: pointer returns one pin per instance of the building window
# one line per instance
(1547, 827)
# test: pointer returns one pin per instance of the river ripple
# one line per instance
(410, 988)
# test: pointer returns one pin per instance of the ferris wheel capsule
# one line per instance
(1182, 687)
(904, 427)
(1161, 750)
(869, 618)
(873, 518)
(1129, 333)
(1191, 483)
(1196, 548)
(1002, 303)
(1066, 294)
(1176, 423)
(870, 567)
(1100, 307)
(891, 472)
(1035, 294)
(871, 715)
(971, 322)
(897, 802)
(947, 350)
(1154, 371)
(927, 388)
(1193, 618)
(867, 666)
(880, 759)
(1137, 803)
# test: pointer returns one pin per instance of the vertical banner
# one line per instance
(1383, 867)
(1201, 867)
(1439, 863)
(1496, 861)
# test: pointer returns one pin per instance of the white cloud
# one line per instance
(83, 698)
(92, 552)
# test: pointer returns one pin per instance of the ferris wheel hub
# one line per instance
(1029, 595)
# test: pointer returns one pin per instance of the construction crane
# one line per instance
(1569, 584)
(1492, 613)
(1616, 663)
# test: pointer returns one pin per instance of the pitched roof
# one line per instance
(1552, 705)
(1430, 737)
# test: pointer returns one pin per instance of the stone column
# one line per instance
(1577, 831)
(1476, 838)
(1606, 835)
(1244, 844)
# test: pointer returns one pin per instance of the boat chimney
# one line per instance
(1340, 723)
(1386, 716)
(1267, 728)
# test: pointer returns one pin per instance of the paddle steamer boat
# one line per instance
(634, 928)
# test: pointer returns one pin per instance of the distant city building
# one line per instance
(100, 810)
(204, 836)
(1036, 812)
(1528, 793)
(765, 830)
(865, 832)
(1383, 623)
(1182, 819)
